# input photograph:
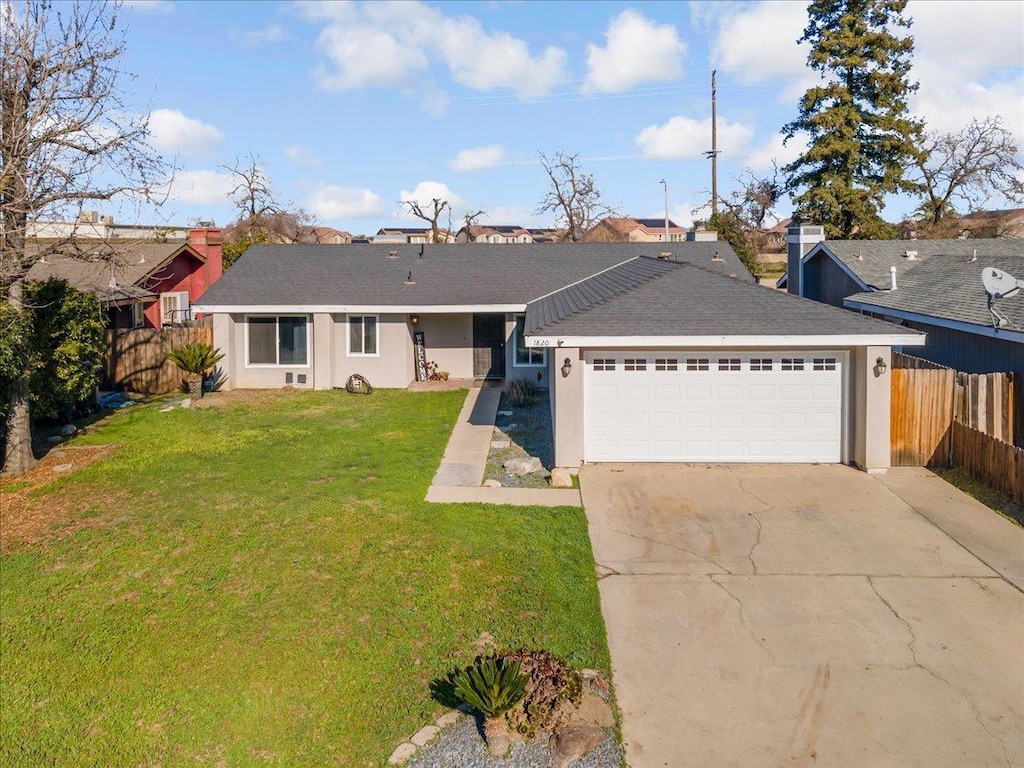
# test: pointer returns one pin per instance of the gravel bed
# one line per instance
(530, 436)
(462, 746)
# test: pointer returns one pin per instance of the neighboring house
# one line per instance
(331, 235)
(398, 235)
(494, 233)
(776, 236)
(651, 353)
(1009, 223)
(546, 234)
(859, 275)
(140, 285)
(90, 225)
(625, 229)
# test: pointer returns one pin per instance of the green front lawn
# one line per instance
(263, 584)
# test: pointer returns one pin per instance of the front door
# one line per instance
(489, 346)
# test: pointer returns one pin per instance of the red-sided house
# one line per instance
(141, 285)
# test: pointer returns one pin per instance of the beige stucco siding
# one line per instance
(870, 408)
(229, 334)
(391, 367)
(448, 341)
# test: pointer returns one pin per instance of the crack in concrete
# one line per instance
(743, 619)
(725, 571)
(913, 654)
(750, 554)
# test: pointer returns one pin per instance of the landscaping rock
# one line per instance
(448, 718)
(507, 427)
(402, 753)
(573, 743)
(492, 483)
(592, 710)
(523, 465)
(186, 403)
(55, 439)
(68, 430)
(504, 413)
(424, 734)
(560, 478)
(62, 468)
(500, 444)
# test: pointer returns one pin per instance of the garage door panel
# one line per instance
(728, 407)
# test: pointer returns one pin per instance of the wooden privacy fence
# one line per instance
(136, 357)
(988, 403)
(921, 416)
(996, 463)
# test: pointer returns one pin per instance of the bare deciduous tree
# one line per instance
(67, 136)
(573, 195)
(968, 167)
(431, 215)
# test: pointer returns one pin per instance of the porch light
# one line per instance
(414, 319)
(880, 366)
(566, 367)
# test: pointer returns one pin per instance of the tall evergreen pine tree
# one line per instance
(861, 136)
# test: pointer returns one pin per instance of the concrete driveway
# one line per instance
(811, 615)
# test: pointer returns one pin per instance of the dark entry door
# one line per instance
(489, 346)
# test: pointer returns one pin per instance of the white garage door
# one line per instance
(703, 406)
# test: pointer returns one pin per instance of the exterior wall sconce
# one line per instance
(414, 319)
(880, 366)
(566, 368)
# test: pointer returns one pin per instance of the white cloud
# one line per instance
(478, 158)
(686, 213)
(757, 42)
(272, 33)
(172, 131)
(683, 138)
(150, 6)
(426, 191)
(386, 44)
(303, 157)
(200, 187)
(637, 51)
(760, 158)
(331, 202)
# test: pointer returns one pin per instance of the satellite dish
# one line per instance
(999, 284)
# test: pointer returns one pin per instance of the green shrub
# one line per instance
(553, 686)
(491, 686)
(195, 358)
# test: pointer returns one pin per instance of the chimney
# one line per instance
(698, 234)
(207, 240)
(892, 278)
(800, 239)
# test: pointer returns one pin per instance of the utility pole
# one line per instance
(713, 154)
(666, 210)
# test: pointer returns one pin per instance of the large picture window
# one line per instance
(362, 334)
(279, 340)
(526, 355)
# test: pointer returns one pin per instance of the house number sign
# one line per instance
(420, 346)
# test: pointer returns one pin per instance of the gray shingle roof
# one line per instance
(870, 259)
(951, 288)
(686, 300)
(447, 274)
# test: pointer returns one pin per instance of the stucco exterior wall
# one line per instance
(449, 343)
(392, 367)
(567, 406)
(870, 404)
(229, 334)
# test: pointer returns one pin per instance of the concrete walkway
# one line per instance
(460, 476)
(808, 615)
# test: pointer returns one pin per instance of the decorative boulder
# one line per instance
(523, 465)
(572, 743)
(561, 478)
(68, 430)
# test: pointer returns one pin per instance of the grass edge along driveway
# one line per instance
(263, 584)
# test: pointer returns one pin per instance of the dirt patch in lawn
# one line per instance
(28, 517)
(237, 396)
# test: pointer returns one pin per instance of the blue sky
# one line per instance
(352, 107)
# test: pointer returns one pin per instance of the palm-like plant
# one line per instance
(492, 687)
(195, 360)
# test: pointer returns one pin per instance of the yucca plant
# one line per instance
(195, 360)
(492, 687)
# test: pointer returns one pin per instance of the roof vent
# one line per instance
(142, 259)
(716, 257)
(665, 255)
(392, 254)
(409, 280)
(892, 278)
(860, 255)
(911, 255)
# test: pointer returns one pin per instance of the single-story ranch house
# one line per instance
(651, 352)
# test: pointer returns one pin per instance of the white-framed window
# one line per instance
(634, 364)
(362, 336)
(274, 341)
(138, 315)
(697, 363)
(729, 364)
(174, 307)
(761, 363)
(792, 363)
(666, 364)
(604, 364)
(526, 355)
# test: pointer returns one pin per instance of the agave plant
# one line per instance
(195, 360)
(492, 687)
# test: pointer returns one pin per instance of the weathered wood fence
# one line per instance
(943, 418)
(136, 357)
(994, 462)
